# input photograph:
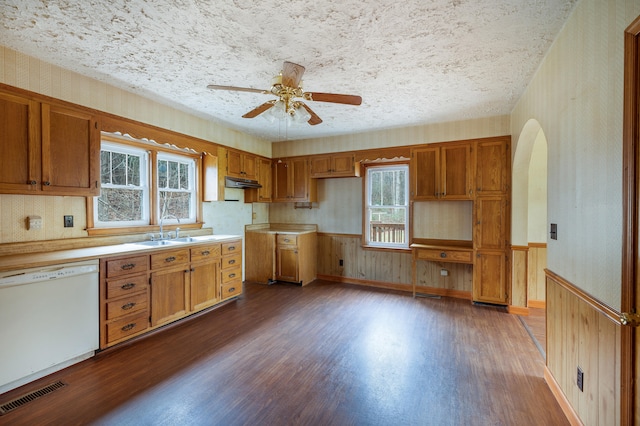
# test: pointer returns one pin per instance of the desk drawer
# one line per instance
(446, 255)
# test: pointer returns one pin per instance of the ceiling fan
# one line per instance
(287, 87)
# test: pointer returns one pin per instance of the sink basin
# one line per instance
(158, 243)
(201, 238)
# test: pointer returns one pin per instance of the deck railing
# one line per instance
(387, 232)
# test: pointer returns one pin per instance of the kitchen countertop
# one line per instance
(31, 260)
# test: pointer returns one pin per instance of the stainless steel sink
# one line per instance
(158, 243)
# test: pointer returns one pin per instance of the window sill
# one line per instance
(387, 249)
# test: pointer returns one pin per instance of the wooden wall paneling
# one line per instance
(519, 289)
(579, 333)
(537, 263)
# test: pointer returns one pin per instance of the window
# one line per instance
(387, 206)
(124, 195)
(176, 188)
(143, 186)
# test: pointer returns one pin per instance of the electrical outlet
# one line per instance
(444, 272)
(341, 262)
(580, 380)
(68, 221)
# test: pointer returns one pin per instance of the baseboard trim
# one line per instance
(457, 294)
(566, 407)
(538, 304)
(518, 310)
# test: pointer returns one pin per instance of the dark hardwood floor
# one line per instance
(535, 323)
(324, 354)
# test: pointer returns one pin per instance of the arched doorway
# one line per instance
(529, 217)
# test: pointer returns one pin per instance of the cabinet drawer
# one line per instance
(232, 261)
(124, 286)
(446, 255)
(287, 240)
(231, 289)
(169, 258)
(127, 326)
(231, 274)
(231, 248)
(126, 306)
(205, 252)
(128, 265)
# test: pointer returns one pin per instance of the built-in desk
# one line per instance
(449, 251)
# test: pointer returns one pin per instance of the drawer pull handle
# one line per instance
(232, 275)
(206, 253)
(232, 261)
(128, 286)
(129, 326)
(231, 248)
(128, 266)
(128, 306)
(286, 240)
(443, 255)
(232, 289)
(170, 259)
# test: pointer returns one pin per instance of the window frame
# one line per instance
(160, 208)
(153, 148)
(366, 243)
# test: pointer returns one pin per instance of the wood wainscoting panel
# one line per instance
(519, 276)
(389, 269)
(580, 334)
(536, 264)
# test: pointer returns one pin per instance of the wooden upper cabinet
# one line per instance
(53, 149)
(441, 173)
(241, 165)
(292, 182)
(265, 178)
(19, 144)
(493, 160)
(70, 151)
(337, 165)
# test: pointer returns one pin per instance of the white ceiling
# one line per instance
(413, 61)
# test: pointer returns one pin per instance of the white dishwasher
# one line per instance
(49, 319)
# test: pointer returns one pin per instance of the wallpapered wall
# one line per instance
(576, 96)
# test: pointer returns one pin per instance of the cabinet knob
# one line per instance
(443, 255)
(232, 261)
(47, 183)
(31, 182)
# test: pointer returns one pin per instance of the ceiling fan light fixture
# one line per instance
(275, 113)
(300, 115)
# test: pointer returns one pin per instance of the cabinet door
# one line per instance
(299, 180)
(234, 164)
(455, 177)
(425, 171)
(20, 144)
(204, 285)
(249, 168)
(281, 181)
(321, 166)
(287, 264)
(265, 177)
(490, 281)
(169, 295)
(343, 165)
(70, 151)
(490, 223)
(492, 167)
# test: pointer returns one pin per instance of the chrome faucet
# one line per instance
(162, 218)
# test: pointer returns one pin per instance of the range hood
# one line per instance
(234, 182)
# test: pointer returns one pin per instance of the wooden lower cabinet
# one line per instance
(490, 277)
(142, 292)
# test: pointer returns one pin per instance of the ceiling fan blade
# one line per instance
(333, 97)
(259, 110)
(314, 117)
(292, 74)
(237, 89)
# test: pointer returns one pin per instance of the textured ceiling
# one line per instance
(413, 61)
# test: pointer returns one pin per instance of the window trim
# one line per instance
(365, 207)
(153, 149)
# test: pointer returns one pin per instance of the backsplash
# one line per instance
(14, 210)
